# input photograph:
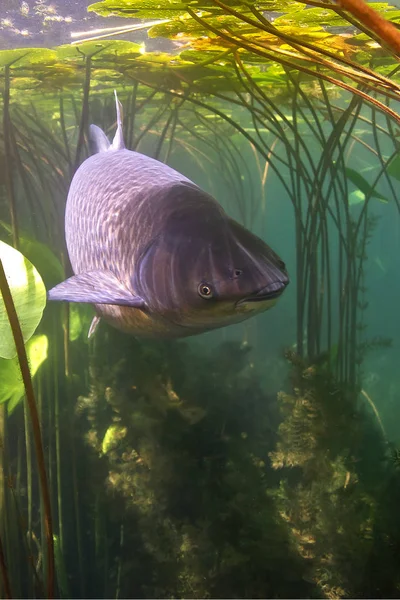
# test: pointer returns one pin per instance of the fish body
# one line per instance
(155, 254)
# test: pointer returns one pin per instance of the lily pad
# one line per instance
(105, 48)
(29, 295)
(12, 387)
(141, 9)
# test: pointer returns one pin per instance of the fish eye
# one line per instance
(205, 290)
(237, 272)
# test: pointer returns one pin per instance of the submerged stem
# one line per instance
(30, 397)
(8, 156)
(4, 573)
(386, 30)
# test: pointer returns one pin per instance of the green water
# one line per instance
(257, 461)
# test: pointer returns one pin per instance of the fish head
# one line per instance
(205, 271)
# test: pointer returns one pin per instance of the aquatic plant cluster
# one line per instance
(167, 469)
(217, 500)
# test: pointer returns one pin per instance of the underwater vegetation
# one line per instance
(167, 469)
(209, 492)
(185, 453)
(337, 480)
(216, 498)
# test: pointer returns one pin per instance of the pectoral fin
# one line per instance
(95, 287)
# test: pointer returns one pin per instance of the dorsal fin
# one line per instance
(98, 140)
(118, 141)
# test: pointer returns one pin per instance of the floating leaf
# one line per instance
(139, 8)
(12, 386)
(29, 295)
(25, 83)
(27, 58)
(10, 57)
(363, 185)
(312, 16)
(100, 50)
(103, 75)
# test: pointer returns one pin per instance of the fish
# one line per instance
(156, 255)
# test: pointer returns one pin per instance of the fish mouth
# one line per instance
(269, 292)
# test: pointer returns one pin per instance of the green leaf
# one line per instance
(29, 295)
(75, 323)
(25, 83)
(356, 197)
(80, 317)
(393, 168)
(41, 256)
(312, 16)
(99, 49)
(27, 57)
(112, 438)
(9, 57)
(139, 8)
(12, 387)
(99, 76)
(172, 28)
(363, 185)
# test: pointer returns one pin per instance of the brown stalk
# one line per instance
(270, 55)
(4, 573)
(316, 52)
(30, 397)
(373, 20)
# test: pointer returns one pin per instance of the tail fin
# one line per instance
(118, 141)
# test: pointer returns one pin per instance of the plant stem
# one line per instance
(8, 156)
(85, 112)
(4, 573)
(373, 20)
(28, 457)
(30, 397)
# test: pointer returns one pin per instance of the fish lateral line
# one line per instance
(95, 287)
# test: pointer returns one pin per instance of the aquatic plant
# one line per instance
(330, 492)
(256, 31)
(183, 457)
(28, 291)
(241, 79)
(29, 296)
